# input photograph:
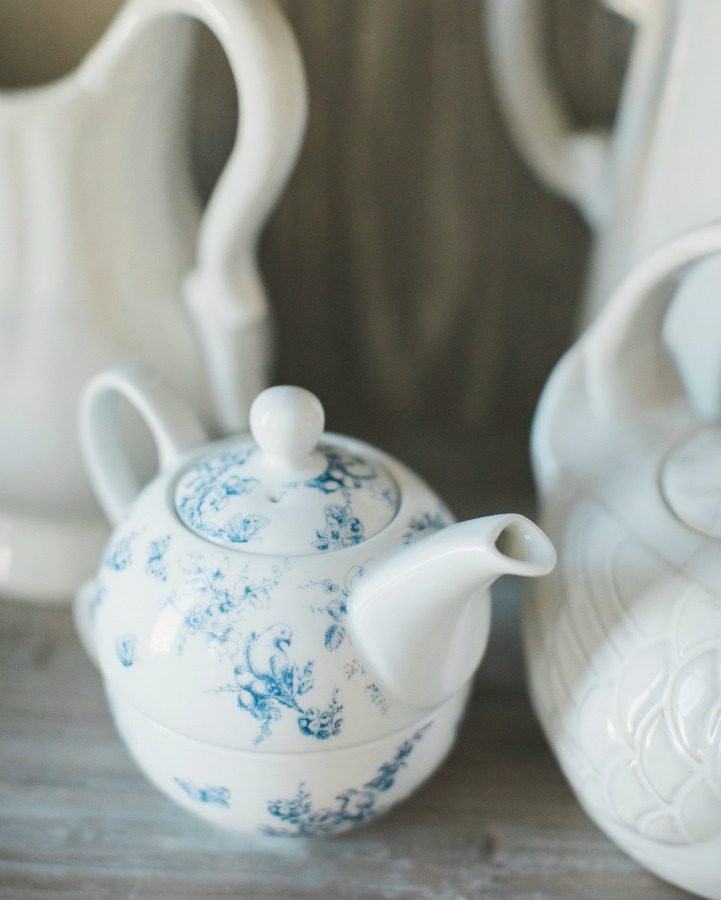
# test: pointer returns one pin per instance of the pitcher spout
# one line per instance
(421, 617)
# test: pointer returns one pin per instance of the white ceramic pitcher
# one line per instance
(107, 256)
(654, 177)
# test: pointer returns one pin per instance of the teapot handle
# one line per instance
(621, 365)
(224, 292)
(173, 426)
(573, 163)
(626, 362)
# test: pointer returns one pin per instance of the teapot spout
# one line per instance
(421, 617)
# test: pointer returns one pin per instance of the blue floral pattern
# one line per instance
(337, 608)
(353, 807)
(342, 529)
(119, 552)
(428, 523)
(212, 608)
(207, 489)
(269, 680)
(376, 697)
(125, 650)
(215, 795)
(343, 473)
(157, 565)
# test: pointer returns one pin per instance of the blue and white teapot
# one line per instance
(287, 645)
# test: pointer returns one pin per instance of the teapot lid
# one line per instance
(690, 482)
(287, 489)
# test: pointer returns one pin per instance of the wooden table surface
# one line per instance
(77, 820)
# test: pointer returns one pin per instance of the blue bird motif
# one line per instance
(266, 655)
(270, 680)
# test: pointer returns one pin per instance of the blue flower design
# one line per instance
(157, 565)
(337, 607)
(322, 723)
(217, 796)
(119, 553)
(125, 650)
(354, 805)
(343, 473)
(420, 526)
(342, 529)
(207, 489)
(210, 607)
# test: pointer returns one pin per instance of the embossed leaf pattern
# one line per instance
(628, 682)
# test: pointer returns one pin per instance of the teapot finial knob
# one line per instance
(287, 423)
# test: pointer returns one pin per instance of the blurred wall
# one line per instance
(424, 284)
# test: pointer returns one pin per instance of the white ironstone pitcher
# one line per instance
(654, 177)
(106, 254)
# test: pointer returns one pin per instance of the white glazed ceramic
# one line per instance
(287, 623)
(106, 255)
(623, 642)
(654, 177)
(588, 167)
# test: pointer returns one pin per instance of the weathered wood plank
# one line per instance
(77, 820)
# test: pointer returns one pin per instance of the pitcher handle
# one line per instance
(224, 292)
(622, 364)
(571, 162)
(577, 164)
(173, 426)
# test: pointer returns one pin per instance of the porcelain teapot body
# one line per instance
(623, 642)
(255, 663)
(104, 248)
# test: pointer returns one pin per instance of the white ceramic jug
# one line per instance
(654, 177)
(598, 171)
(623, 642)
(107, 256)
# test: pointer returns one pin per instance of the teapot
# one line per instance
(623, 642)
(104, 247)
(286, 621)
